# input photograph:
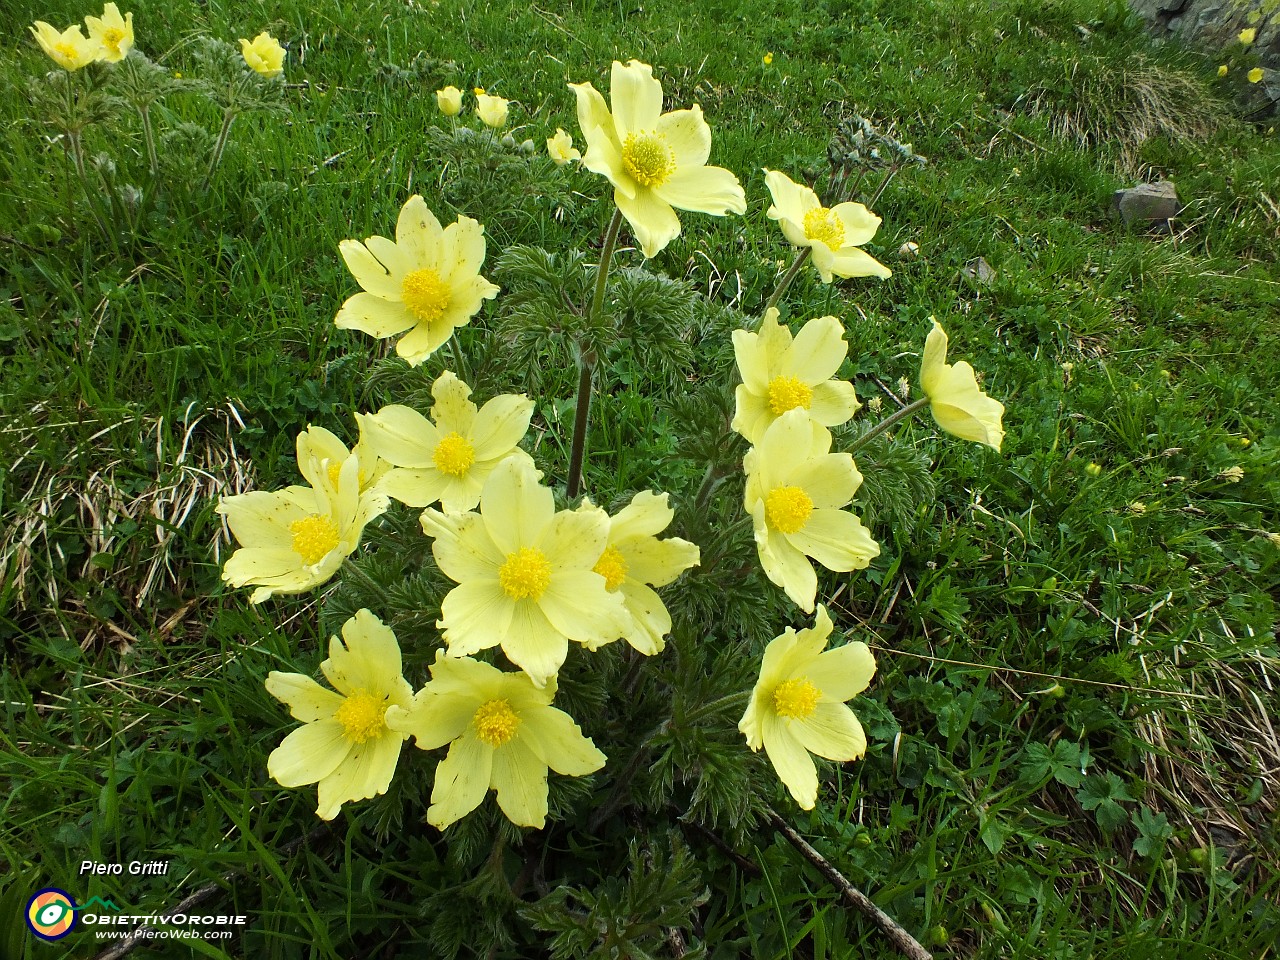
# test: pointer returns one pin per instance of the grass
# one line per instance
(1073, 748)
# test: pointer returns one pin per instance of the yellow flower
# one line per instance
(1247, 35)
(448, 460)
(957, 404)
(264, 54)
(798, 705)
(655, 161)
(492, 110)
(634, 560)
(69, 49)
(795, 491)
(113, 32)
(449, 100)
(1222, 70)
(329, 454)
(561, 148)
(781, 374)
(295, 539)
(345, 742)
(833, 234)
(768, 58)
(503, 734)
(1255, 75)
(524, 574)
(427, 282)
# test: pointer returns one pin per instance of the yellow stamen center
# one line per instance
(362, 716)
(648, 158)
(787, 393)
(454, 454)
(425, 295)
(823, 226)
(795, 699)
(314, 537)
(496, 722)
(525, 574)
(787, 509)
(67, 51)
(111, 38)
(613, 567)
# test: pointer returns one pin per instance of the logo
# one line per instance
(51, 914)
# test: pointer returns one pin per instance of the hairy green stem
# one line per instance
(888, 423)
(76, 149)
(228, 115)
(710, 480)
(801, 258)
(875, 197)
(148, 134)
(587, 360)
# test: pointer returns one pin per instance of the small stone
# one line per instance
(909, 251)
(1147, 204)
(980, 271)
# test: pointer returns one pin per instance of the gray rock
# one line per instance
(981, 272)
(1147, 204)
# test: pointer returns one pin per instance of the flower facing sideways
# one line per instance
(780, 373)
(112, 32)
(795, 491)
(263, 54)
(345, 742)
(524, 574)
(561, 148)
(654, 160)
(635, 560)
(69, 49)
(957, 404)
(295, 539)
(330, 453)
(798, 705)
(833, 234)
(503, 734)
(449, 100)
(491, 110)
(449, 460)
(427, 282)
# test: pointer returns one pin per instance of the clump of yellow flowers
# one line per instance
(533, 581)
(110, 38)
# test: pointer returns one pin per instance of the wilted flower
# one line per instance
(113, 32)
(263, 54)
(957, 404)
(832, 234)
(449, 100)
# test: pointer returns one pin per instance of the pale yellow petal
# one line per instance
(752, 415)
(370, 660)
(475, 616)
(791, 761)
(688, 136)
(574, 539)
(831, 731)
(844, 672)
(791, 201)
(415, 488)
(859, 223)
(400, 435)
(830, 480)
(307, 700)
(576, 605)
(434, 719)
(533, 644)
(652, 220)
(650, 621)
(521, 781)
(309, 753)
(658, 562)
(453, 410)
(372, 276)
(466, 238)
(500, 425)
(834, 402)
(822, 259)
(395, 258)
(516, 507)
(261, 518)
(817, 351)
(636, 98)
(366, 773)
(418, 234)
(837, 540)
(467, 552)
(558, 742)
(462, 780)
(422, 341)
(852, 262)
(374, 316)
(712, 190)
(790, 569)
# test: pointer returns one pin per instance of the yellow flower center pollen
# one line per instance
(425, 295)
(648, 158)
(111, 38)
(454, 454)
(66, 50)
(496, 722)
(823, 226)
(787, 509)
(335, 471)
(313, 537)
(613, 567)
(787, 393)
(525, 574)
(362, 716)
(795, 699)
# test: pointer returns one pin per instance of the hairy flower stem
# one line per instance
(710, 480)
(76, 149)
(587, 360)
(801, 258)
(228, 115)
(888, 423)
(889, 175)
(148, 133)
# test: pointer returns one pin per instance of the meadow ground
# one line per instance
(1073, 747)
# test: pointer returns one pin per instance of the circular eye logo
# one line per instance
(51, 914)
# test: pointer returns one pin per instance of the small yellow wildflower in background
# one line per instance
(957, 404)
(295, 539)
(795, 493)
(780, 374)
(113, 32)
(1222, 70)
(655, 160)
(525, 574)
(449, 100)
(69, 49)
(1093, 469)
(832, 234)
(1274, 538)
(1232, 474)
(768, 58)
(503, 735)
(491, 110)
(561, 148)
(1247, 35)
(449, 460)
(1137, 507)
(263, 54)
(478, 91)
(345, 742)
(1255, 75)
(427, 282)
(635, 560)
(798, 705)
